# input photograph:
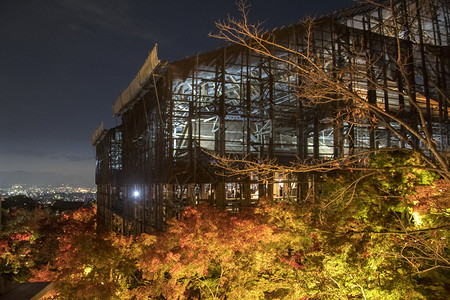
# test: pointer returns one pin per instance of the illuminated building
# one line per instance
(234, 101)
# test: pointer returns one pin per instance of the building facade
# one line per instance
(233, 101)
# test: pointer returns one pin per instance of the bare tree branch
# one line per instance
(319, 85)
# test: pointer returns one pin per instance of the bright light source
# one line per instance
(87, 270)
(417, 219)
(136, 194)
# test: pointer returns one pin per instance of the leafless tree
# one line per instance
(350, 83)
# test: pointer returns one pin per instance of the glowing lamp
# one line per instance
(417, 218)
(136, 194)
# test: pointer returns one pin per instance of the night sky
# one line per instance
(63, 63)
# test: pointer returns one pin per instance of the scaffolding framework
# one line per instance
(233, 101)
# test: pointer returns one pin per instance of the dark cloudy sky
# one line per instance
(63, 63)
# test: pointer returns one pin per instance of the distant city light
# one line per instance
(47, 195)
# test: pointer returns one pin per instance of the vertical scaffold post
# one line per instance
(220, 186)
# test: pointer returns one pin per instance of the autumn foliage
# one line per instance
(371, 234)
